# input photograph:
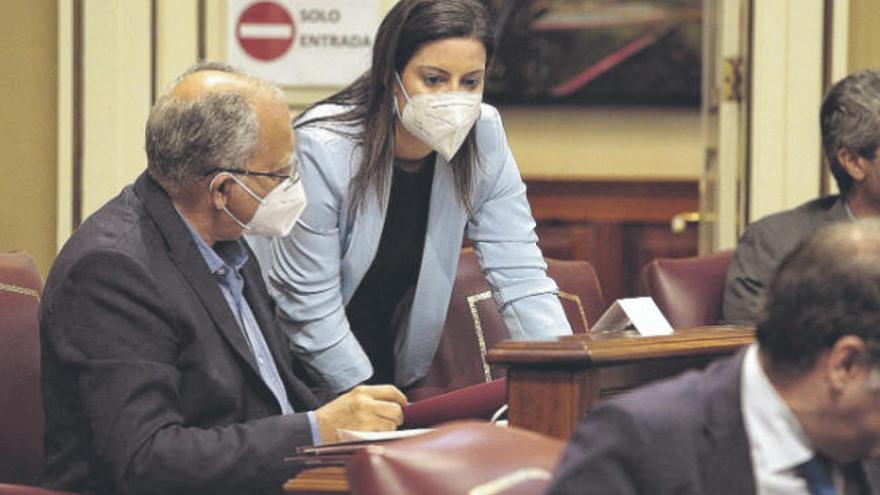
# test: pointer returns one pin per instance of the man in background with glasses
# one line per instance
(163, 368)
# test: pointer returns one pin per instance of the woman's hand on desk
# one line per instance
(364, 408)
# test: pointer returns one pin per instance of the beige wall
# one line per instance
(864, 35)
(28, 34)
(116, 96)
(605, 142)
(786, 93)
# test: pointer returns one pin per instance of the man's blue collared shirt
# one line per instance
(225, 261)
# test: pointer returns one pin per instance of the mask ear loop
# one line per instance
(400, 83)
(405, 95)
(211, 184)
(240, 183)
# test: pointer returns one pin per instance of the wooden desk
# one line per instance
(551, 384)
(319, 481)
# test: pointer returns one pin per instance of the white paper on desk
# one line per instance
(356, 435)
(640, 312)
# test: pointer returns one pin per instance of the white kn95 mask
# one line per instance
(440, 120)
(278, 212)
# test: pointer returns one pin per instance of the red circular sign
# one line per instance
(265, 31)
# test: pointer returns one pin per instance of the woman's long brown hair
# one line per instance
(408, 26)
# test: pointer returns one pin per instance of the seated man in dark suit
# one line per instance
(850, 124)
(795, 413)
(163, 369)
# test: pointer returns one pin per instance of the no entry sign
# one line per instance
(302, 42)
(265, 30)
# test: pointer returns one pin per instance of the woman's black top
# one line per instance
(385, 294)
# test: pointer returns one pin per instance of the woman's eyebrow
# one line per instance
(446, 72)
(431, 67)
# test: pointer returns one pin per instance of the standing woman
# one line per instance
(397, 167)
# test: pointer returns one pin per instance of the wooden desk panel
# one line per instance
(617, 225)
(550, 385)
(611, 201)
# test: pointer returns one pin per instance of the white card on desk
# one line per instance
(357, 435)
(640, 312)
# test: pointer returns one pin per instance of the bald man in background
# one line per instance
(163, 368)
(798, 413)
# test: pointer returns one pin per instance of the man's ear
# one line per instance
(846, 360)
(219, 188)
(855, 165)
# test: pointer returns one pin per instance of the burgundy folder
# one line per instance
(479, 401)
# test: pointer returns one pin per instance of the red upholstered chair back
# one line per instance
(21, 406)
(579, 291)
(458, 458)
(474, 325)
(689, 291)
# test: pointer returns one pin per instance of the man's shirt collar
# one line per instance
(225, 256)
(777, 439)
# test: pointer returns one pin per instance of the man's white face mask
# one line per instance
(278, 212)
(440, 120)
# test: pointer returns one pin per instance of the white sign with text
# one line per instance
(302, 42)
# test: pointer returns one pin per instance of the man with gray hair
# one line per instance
(164, 370)
(798, 413)
(850, 124)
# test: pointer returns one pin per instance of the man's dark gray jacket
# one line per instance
(148, 382)
(761, 249)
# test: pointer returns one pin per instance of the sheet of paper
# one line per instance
(373, 436)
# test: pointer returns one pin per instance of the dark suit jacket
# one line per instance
(148, 382)
(681, 436)
(761, 249)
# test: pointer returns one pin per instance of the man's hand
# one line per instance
(364, 408)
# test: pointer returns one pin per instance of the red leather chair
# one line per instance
(474, 325)
(458, 458)
(28, 490)
(21, 405)
(579, 292)
(688, 291)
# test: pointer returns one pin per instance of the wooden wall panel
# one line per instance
(618, 226)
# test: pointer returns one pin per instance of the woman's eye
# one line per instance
(471, 83)
(432, 80)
